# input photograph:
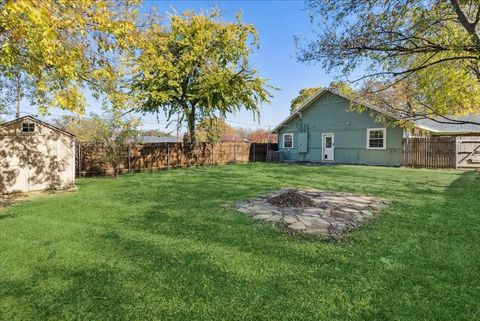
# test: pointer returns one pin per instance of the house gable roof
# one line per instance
(426, 124)
(315, 97)
(36, 120)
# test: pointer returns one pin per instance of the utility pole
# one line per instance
(178, 125)
(18, 96)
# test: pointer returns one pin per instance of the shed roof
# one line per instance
(34, 119)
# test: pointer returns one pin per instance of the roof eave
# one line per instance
(316, 96)
(299, 110)
(38, 121)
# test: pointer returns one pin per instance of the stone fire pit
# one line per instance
(322, 213)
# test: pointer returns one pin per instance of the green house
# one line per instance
(325, 129)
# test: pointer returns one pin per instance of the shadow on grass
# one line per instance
(56, 292)
(185, 257)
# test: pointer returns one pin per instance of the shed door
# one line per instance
(328, 146)
(14, 171)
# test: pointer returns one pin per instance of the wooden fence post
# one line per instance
(128, 151)
(79, 160)
(213, 153)
(168, 155)
(266, 153)
(235, 153)
(456, 152)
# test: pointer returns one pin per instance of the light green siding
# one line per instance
(331, 114)
(302, 142)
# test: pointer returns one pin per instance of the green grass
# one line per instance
(159, 246)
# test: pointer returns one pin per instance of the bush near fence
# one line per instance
(150, 157)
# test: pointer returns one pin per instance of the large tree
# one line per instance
(197, 66)
(214, 130)
(54, 52)
(426, 51)
(109, 134)
(303, 95)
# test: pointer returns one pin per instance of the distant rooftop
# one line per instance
(155, 139)
(452, 128)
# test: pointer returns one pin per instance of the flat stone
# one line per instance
(263, 217)
(274, 218)
(327, 204)
(342, 215)
(317, 231)
(367, 213)
(313, 221)
(288, 211)
(289, 219)
(350, 210)
(260, 209)
(378, 206)
(244, 210)
(360, 199)
(356, 206)
(299, 226)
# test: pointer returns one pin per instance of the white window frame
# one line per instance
(384, 138)
(284, 140)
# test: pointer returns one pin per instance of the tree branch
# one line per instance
(471, 27)
(413, 70)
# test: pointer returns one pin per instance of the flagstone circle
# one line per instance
(331, 215)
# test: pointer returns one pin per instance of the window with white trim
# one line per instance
(28, 127)
(287, 140)
(376, 138)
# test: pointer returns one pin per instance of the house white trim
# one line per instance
(384, 138)
(333, 147)
(283, 140)
(309, 102)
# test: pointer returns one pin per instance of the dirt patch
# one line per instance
(291, 198)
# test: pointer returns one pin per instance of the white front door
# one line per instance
(328, 146)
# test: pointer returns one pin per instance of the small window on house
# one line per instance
(328, 142)
(287, 140)
(28, 127)
(376, 138)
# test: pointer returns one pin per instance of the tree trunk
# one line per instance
(117, 170)
(191, 126)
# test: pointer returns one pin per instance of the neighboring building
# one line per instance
(444, 127)
(155, 139)
(35, 156)
(326, 129)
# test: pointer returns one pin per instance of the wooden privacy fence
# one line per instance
(441, 152)
(259, 152)
(468, 152)
(90, 159)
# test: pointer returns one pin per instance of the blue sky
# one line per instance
(277, 22)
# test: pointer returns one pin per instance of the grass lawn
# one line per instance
(159, 246)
